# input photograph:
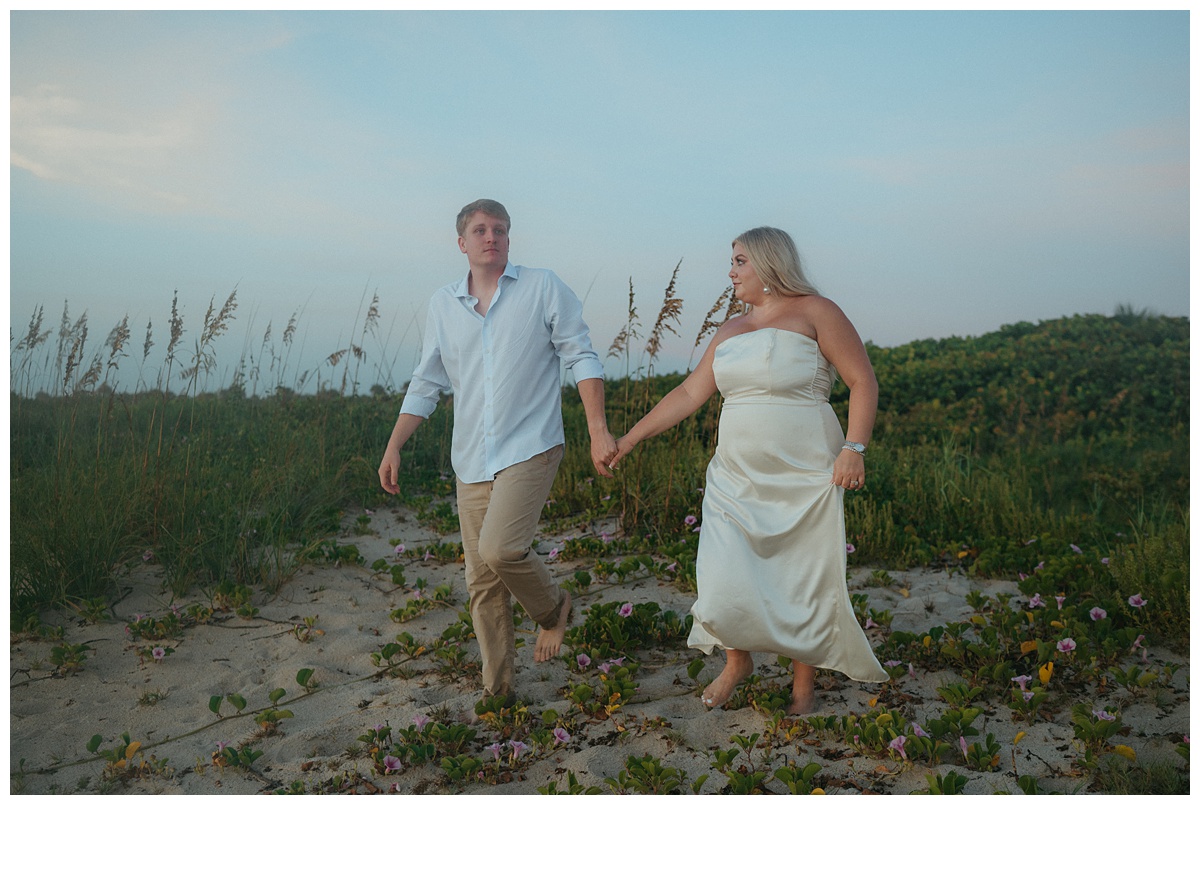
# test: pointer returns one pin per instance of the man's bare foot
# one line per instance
(802, 703)
(738, 665)
(549, 641)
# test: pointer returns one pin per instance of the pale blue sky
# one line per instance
(943, 173)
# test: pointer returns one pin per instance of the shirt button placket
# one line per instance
(489, 398)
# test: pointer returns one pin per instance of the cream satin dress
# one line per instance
(771, 569)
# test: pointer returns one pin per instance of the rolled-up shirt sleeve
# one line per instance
(569, 333)
(429, 380)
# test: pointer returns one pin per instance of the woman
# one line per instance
(771, 569)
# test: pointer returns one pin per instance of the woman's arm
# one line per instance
(842, 346)
(677, 405)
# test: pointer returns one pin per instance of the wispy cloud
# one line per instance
(137, 157)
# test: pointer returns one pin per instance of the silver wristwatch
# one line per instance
(856, 447)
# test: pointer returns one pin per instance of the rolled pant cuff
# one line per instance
(549, 620)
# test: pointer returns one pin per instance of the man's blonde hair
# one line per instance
(487, 207)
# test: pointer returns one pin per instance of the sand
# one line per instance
(331, 618)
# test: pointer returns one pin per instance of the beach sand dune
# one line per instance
(332, 619)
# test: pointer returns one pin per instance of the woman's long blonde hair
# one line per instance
(777, 261)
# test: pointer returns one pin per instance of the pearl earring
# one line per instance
(766, 290)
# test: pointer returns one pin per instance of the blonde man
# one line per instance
(497, 339)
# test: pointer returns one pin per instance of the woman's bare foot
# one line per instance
(804, 692)
(549, 641)
(802, 703)
(738, 665)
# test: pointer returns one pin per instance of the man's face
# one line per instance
(485, 241)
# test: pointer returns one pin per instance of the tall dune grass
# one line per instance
(977, 453)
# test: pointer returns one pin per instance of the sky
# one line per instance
(943, 173)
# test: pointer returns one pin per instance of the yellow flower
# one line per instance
(1045, 672)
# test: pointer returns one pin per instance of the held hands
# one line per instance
(849, 471)
(623, 447)
(604, 449)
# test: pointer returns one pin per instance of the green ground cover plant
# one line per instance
(1054, 454)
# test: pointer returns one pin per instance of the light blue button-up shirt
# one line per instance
(504, 368)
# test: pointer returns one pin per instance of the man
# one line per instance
(496, 339)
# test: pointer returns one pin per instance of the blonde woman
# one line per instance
(771, 570)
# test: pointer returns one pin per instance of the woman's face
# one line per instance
(747, 286)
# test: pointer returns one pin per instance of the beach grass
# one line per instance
(1054, 455)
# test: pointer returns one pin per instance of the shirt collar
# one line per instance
(463, 291)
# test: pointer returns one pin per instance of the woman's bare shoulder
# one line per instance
(734, 326)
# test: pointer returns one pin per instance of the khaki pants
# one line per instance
(498, 521)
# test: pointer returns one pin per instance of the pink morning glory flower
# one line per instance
(962, 745)
(849, 548)
(689, 520)
(1022, 681)
(583, 661)
(1104, 560)
(605, 537)
(159, 653)
(1027, 695)
(428, 556)
(1137, 643)
(495, 750)
(1066, 645)
(606, 498)
(1035, 601)
(420, 721)
(221, 745)
(1041, 565)
(672, 566)
(1031, 541)
(897, 744)
(1105, 715)
(1076, 549)
(1060, 600)
(1137, 601)
(605, 667)
(626, 610)
(400, 548)
(869, 623)
(912, 672)
(892, 663)
(147, 556)
(553, 555)
(561, 735)
(919, 731)
(391, 764)
(518, 748)
(1098, 614)
(616, 662)
(1021, 576)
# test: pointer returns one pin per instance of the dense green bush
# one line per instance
(1073, 431)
